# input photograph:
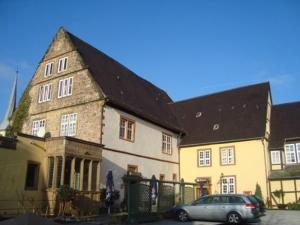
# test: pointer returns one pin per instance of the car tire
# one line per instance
(234, 218)
(182, 216)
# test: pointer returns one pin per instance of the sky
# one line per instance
(187, 48)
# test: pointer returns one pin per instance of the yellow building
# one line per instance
(284, 149)
(32, 168)
(225, 148)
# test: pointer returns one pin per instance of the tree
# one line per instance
(65, 194)
(258, 192)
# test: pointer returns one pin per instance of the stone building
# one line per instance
(78, 91)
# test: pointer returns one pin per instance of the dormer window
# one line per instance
(62, 64)
(48, 69)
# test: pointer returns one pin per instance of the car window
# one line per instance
(203, 200)
(252, 199)
(236, 200)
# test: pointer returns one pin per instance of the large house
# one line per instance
(78, 91)
(90, 115)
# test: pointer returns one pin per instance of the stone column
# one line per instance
(54, 172)
(81, 174)
(90, 175)
(72, 172)
(62, 178)
(98, 177)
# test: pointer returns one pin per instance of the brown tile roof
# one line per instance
(236, 114)
(285, 123)
(125, 90)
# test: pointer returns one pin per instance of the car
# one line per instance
(260, 202)
(230, 208)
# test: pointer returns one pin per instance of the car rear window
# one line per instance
(235, 199)
(252, 199)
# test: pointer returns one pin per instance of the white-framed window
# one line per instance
(204, 157)
(228, 185)
(68, 124)
(62, 64)
(167, 144)
(48, 69)
(227, 156)
(290, 154)
(65, 87)
(298, 151)
(275, 157)
(127, 129)
(45, 93)
(38, 127)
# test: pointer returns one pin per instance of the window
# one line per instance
(132, 168)
(167, 144)
(48, 69)
(38, 128)
(290, 154)
(127, 129)
(58, 171)
(62, 64)
(275, 157)
(298, 151)
(204, 158)
(65, 87)
(32, 176)
(174, 177)
(68, 124)
(228, 185)
(45, 93)
(227, 156)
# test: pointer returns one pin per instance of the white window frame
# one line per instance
(37, 125)
(275, 157)
(48, 69)
(45, 93)
(298, 151)
(68, 124)
(228, 185)
(204, 157)
(62, 64)
(65, 87)
(127, 129)
(227, 156)
(290, 154)
(166, 143)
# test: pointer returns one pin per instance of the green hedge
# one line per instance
(294, 206)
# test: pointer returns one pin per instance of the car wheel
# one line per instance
(182, 216)
(234, 218)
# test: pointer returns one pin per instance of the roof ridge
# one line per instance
(286, 103)
(222, 92)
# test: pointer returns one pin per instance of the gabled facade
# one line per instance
(79, 91)
(225, 149)
(284, 150)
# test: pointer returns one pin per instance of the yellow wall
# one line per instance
(288, 187)
(13, 168)
(250, 165)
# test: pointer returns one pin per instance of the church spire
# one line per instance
(11, 106)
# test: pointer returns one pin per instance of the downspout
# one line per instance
(266, 170)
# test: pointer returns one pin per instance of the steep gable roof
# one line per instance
(126, 90)
(285, 123)
(236, 114)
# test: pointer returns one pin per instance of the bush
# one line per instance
(294, 206)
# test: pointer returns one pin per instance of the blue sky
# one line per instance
(188, 48)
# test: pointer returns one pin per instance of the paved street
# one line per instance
(273, 217)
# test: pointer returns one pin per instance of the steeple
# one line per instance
(11, 107)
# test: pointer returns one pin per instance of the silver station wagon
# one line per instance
(230, 208)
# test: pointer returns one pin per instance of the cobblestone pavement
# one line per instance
(272, 217)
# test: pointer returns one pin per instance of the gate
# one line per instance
(141, 205)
